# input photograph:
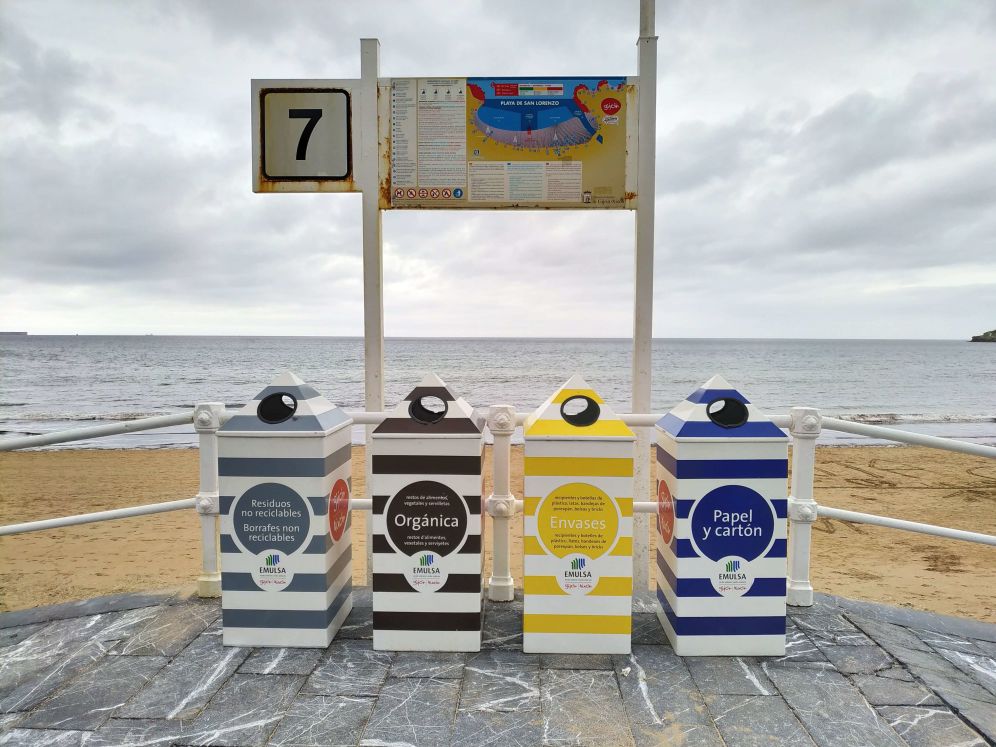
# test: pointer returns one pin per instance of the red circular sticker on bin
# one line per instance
(611, 106)
(338, 509)
(665, 512)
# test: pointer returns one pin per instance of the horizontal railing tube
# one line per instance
(825, 512)
(117, 513)
(368, 418)
(96, 431)
(915, 439)
(644, 507)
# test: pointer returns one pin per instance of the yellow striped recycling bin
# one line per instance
(577, 526)
(286, 557)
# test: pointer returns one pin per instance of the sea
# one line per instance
(49, 383)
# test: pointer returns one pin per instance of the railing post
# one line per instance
(207, 421)
(501, 504)
(804, 425)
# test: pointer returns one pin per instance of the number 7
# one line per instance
(312, 115)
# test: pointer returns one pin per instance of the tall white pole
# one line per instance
(368, 177)
(208, 417)
(643, 296)
(805, 425)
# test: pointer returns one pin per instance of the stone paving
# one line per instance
(151, 670)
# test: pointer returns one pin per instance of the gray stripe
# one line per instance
(319, 544)
(284, 466)
(301, 582)
(299, 392)
(300, 619)
(324, 422)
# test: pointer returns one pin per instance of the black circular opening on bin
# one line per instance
(428, 409)
(580, 411)
(277, 407)
(727, 413)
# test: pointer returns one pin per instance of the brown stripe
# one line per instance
(380, 503)
(430, 391)
(456, 583)
(426, 465)
(427, 620)
(472, 545)
(414, 427)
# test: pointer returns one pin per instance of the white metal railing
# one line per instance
(804, 425)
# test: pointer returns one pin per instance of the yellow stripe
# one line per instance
(602, 428)
(579, 466)
(531, 546)
(565, 394)
(607, 586)
(623, 547)
(606, 624)
(529, 505)
(625, 506)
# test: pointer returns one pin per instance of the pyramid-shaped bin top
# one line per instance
(576, 411)
(288, 406)
(431, 410)
(718, 412)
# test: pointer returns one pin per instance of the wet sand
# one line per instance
(163, 551)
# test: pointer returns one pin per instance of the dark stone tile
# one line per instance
(172, 630)
(84, 608)
(832, 709)
(90, 699)
(576, 661)
(824, 623)
(362, 597)
(499, 704)
(917, 661)
(644, 601)
(441, 665)
(11, 636)
(857, 659)
(40, 677)
(756, 720)
(662, 702)
(503, 659)
(839, 638)
(358, 625)
(986, 647)
(44, 738)
(887, 634)
(9, 720)
(185, 685)
(322, 721)
(930, 727)
(980, 715)
(798, 646)
(884, 691)
(281, 661)
(244, 712)
(953, 688)
(124, 732)
(895, 673)
(647, 630)
(500, 690)
(728, 675)
(570, 713)
(980, 668)
(910, 618)
(502, 628)
(951, 642)
(414, 711)
(350, 668)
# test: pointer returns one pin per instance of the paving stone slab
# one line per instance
(951, 642)
(350, 668)
(896, 673)
(729, 675)
(832, 709)
(916, 661)
(756, 721)
(11, 636)
(499, 704)
(9, 720)
(952, 688)
(244, 712)
(645, 601)
(281, 661)
(885, 691)
(662, 702)
(910, 618)
(798, 646)
(52, 672)
(824, 623)
(986, 647)
(84, 608)
(441, 665)
(90, 699)
(357, 625)
(185, 685)
(575, 661)
(886, 633)
(416, 711)
(857, 659)
(123, 732)
(583, 707)
(503, 659)
(322, 721)
(980, 668)
(981, 715)
(930, 727)
(362, 597)
(647, 630)
(172, 630)
(839, 638)
(44, 738)
(502, 628)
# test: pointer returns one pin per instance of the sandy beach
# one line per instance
(163, 551)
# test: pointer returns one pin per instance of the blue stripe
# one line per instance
(284, 466)
(705, 396)
(683, 548)
(228, 544)
(301, 581)
(738, 626)
(683, 507)
(702, 587)
(300, 392)
(679, 428)
(781, 507)
(722, 469)
(319, 505)
(779, 549)
(293, 619)
(326, 421)
(319, 544)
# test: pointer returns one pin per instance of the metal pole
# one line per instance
(207, 420)
(116, 513)
(368, 176)
(804, 425)
(501, 504)
(909, 526)
(643, 296)
(914, 439)
(96, 431)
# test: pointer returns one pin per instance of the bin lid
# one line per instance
(289, 407)
(431, 410)
(718, 412)
(558, 418)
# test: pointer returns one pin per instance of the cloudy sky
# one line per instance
(824, 169)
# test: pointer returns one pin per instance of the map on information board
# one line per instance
(509, 142)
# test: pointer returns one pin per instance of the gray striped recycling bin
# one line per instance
(426, 486)
(286, 558)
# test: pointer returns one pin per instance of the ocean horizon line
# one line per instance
(508, 338)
